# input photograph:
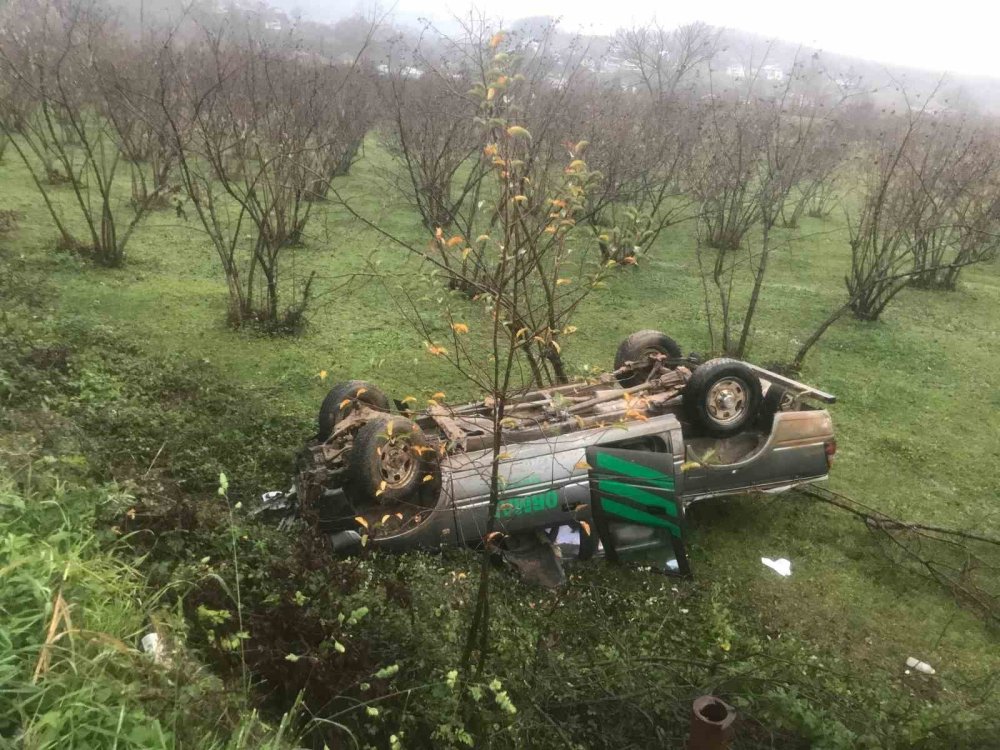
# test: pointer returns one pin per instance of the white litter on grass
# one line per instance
(781, 566)
(152, 644)
(920, 666)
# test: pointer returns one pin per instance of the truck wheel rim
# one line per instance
(396, 464)
(727, 401)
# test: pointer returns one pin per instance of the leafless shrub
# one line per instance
(773, 136)
(644, 130)
(436, 166)
(251, 121)
(60, 62)
(950, 203)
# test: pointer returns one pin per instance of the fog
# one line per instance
(957, 37)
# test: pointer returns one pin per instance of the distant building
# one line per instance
(736, 71)
(405, 72)
(772, 73)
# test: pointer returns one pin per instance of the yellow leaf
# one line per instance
(438, 396)
(492, 92)
(520, 333)
(465, 253)
(577, 165)
(399, 516)
(428, 477)
(631, 260)
(496, 40)
(460, 327)
(519, 198)
(503, 456)
(439, 233)
(516, 131)
(482, 238)
(580, 147)
(409, 399)
(492, 535)
(582, 464)
(570, 329)
(490, 149)
(456, 240)
(435, 349)
(344, 403)
(388, 433)
(361, 520)
(360, 391)
(563, 282)
(555, 345)
(322, 374)
(386, 517)
(688, 465)
(586, 527)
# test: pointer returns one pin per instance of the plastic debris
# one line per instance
(153, 645)
(920, 666)
(781, 566)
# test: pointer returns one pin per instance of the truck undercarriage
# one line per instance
(620, 456)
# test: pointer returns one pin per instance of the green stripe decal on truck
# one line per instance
(639, 516)
(637, 494)
(634, 470)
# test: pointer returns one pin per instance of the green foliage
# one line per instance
(72, 610)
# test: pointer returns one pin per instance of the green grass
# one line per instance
(918, 417)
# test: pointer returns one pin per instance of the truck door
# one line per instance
(636, 508)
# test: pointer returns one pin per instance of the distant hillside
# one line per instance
(338, 30)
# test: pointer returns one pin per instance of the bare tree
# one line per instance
(560, 253)
(437, 165)
(775, 137)
(526, 300)
(250, 122)
(815, 194)
(927, 187)
(142, 136)
(644, 128)
(352, 115)
(880, 250)
(949, 201)
(58, 58)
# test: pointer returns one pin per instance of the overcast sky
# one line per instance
(950, 35)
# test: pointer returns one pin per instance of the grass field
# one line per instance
(918, 417)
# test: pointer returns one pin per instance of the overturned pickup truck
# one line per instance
(598, 468)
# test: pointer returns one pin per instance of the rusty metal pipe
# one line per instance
(712, 723)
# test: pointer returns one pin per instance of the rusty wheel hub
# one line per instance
(727, 401)
(396, 464)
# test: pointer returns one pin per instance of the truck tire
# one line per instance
(776, 399)
(390, 460)
(352, 392)
(722, 397)
(637, 347)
